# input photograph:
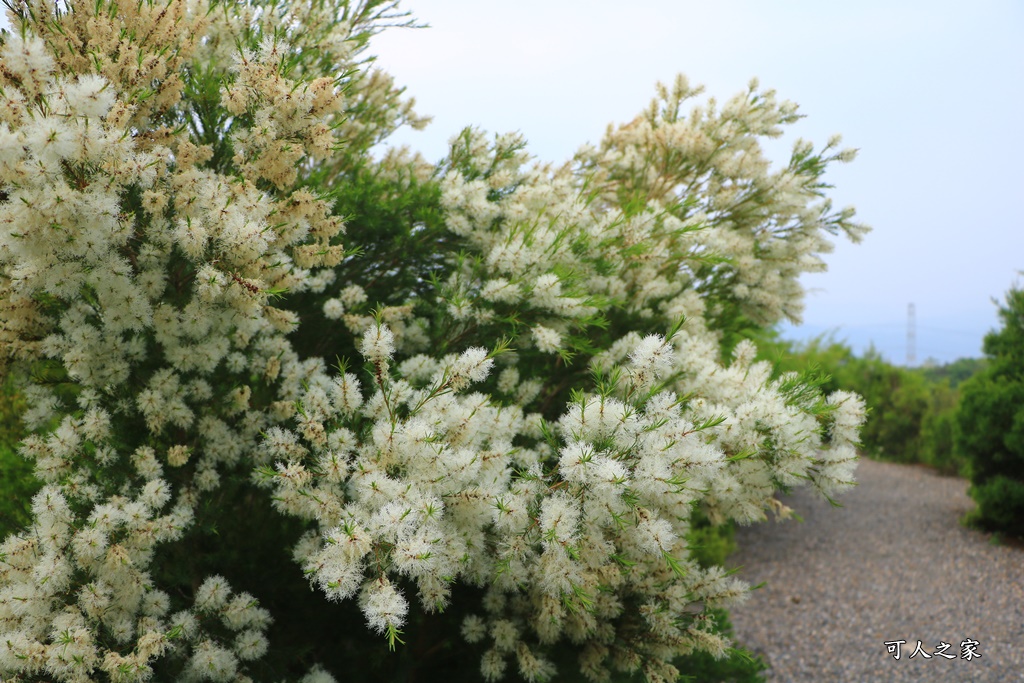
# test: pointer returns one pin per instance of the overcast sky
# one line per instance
(930, 92)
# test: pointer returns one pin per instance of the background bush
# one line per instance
(17, 485)
(990, 424)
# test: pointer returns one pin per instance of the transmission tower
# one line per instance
(911, 337)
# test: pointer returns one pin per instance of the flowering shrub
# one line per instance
(511, 387)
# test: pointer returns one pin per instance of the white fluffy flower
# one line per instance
(847, 418)
(547, 339)
(213, 663)
(352, 296)
(559, 517)
(651, 359)
(500, 290)
(383, 605)
(472, 366)
(378, 343)
(318, 675)
(333, 309)
(474, 629)
(655, 535)
(250, 645)
(91, 96)
(212, 594)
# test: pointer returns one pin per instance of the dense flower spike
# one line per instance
(540, 411)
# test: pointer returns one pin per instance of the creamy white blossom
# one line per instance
(547, 339)
(533, 409)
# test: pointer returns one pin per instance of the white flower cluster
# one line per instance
(103, 558)
(541, 429)
(759, 228)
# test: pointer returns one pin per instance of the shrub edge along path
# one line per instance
(894, 563)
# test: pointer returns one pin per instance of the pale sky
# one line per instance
(930, 92)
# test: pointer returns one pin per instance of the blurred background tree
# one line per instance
(989, 425)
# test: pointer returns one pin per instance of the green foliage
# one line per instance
(11, 405)
(1000, 505)
(990, 424)
(18, 484)
(937, 430)
(16, 492)
(396, 220)
(1005, 347)
(710, 544)
(897, 400)
(956, 372)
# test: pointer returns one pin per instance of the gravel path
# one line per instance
(893, 564)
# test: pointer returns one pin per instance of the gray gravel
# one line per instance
(894, 563)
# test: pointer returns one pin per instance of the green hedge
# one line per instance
(989, 430)
(18, 485)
